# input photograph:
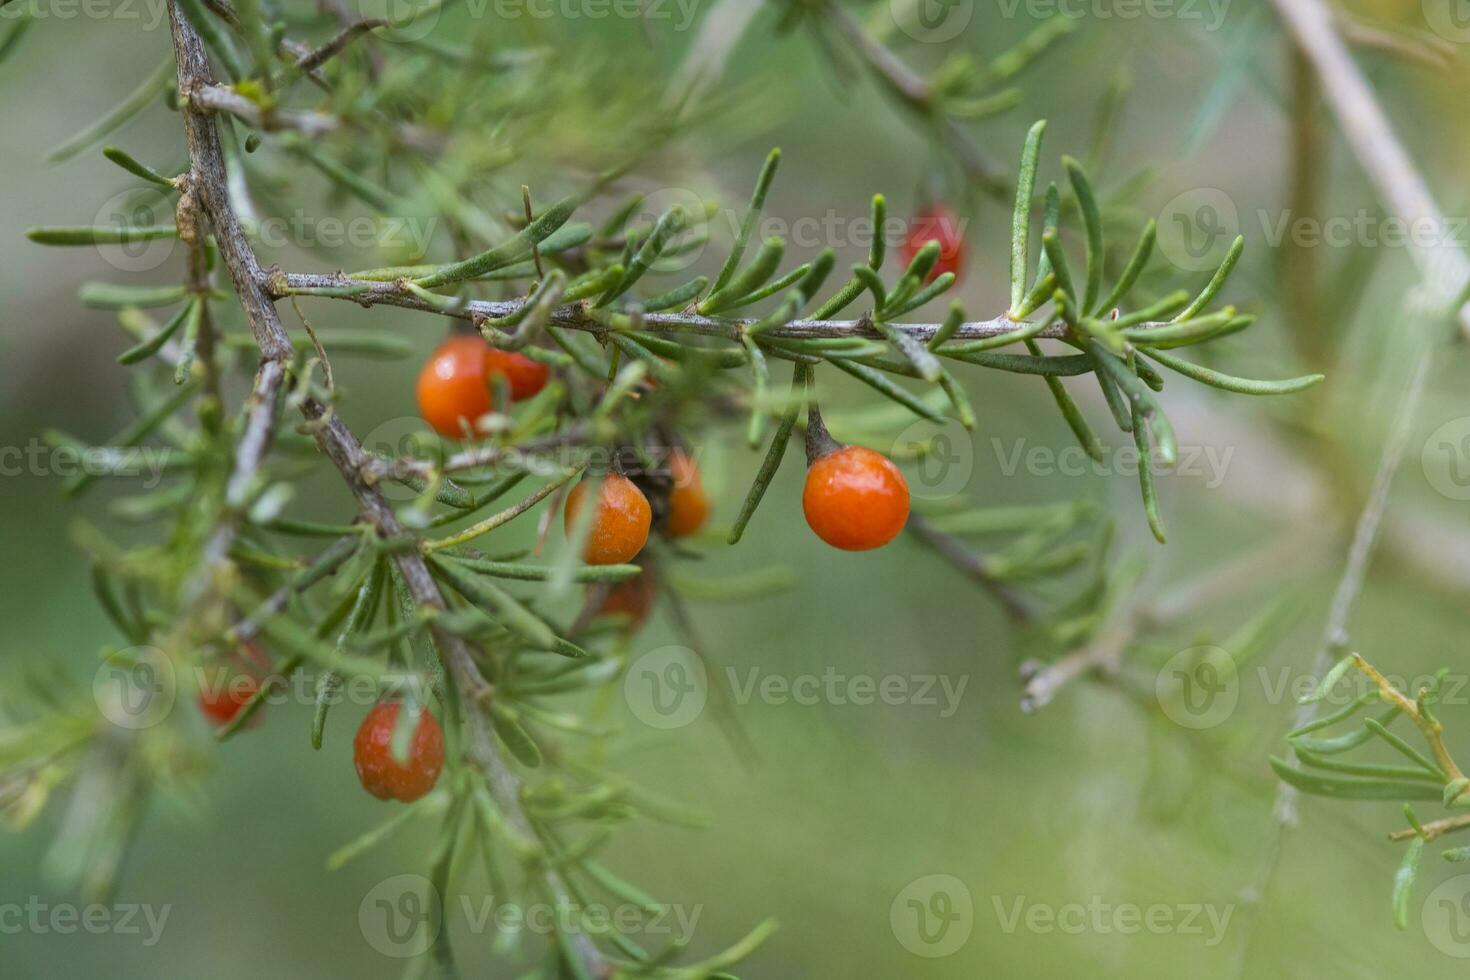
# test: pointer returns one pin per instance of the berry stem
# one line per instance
(819, 441)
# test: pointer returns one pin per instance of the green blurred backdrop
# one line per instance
(1095, 800)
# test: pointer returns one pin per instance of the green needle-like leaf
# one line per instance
(747, 224)
(1092, 224)
(1227, 265)
(1136, 264)
(138, 100)
(1403, 881)
(1021, 217)
(511, 250)
(1351, 787)
(774, 454)
(1243, 386)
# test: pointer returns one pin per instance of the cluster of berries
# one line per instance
(854, 499)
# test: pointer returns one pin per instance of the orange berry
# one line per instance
(384, 776)
(632, 598)
(525, 376)
(453, 389)
(619, 527)
(688, 506)
(855, 499)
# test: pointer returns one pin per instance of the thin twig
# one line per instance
(315, 59)
(917, 93)
(954, 551)
(1103, 654)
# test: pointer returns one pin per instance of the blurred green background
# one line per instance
(1096, 799)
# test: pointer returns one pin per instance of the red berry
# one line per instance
(688, 506)
(384, 776)
(525, 376)
(222, 696)
(855, 499)
(226, 688)
(937, 223)
(453, 388)
(619, 527)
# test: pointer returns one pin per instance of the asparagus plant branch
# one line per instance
(582, 316)
(338, 443)
(1431, 729)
